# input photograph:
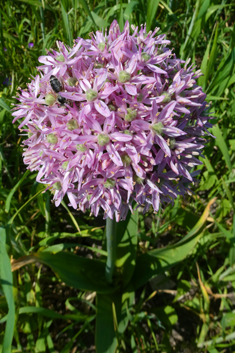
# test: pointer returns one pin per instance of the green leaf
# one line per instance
(111, 309)
(4, 105)
(166, 314)
(13, 190)
(152, 6)
(7, 286)
(222, 145)
(160, 260)
(52, 314)
(87, 10)
(127, 246)
(76, 271)
(67, 29)
(129, 10)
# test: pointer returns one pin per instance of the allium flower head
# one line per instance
(116, 119)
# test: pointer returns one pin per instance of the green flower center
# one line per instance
(81, 148)
(124, 76)
(145, 57)
(137, 179)
(112, 108)
(72, 124)
(60, 58)
(157, 128)
(101, 46)
(72, 81)
(57, 186)
(65, 164)
(91, 95)
(140, 98)
(131, 114)
(110, 183)
(167, 97)
(172, 144)
(50, 99)
(53, 139)
(103, 139)
(126, 160)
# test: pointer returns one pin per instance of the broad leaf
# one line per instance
(7, 286)
(111, 319)
(75, 271)
(127, 246)
(160, 260)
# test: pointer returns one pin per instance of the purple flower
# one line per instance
(5, 49)
(127, 123)
(31, 45)
(7, 81)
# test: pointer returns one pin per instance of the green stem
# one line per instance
(111, 248)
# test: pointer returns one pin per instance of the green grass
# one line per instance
(195, 298)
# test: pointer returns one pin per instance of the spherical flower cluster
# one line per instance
(116, 119)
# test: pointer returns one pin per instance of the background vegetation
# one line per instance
(187, 309)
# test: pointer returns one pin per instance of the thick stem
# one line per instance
(111, 248)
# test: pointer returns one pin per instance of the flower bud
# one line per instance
(103, 139)
(72, 81)
(101, 46)
(50, 99)
(124, 76)
(158, 128)
(91, 95)
(57, 186)
(110, 183)
(60, 58)
(53, 139)
(131, 114)
(126, 160)
(81, 148)
(167, 97)
(72, 124)
(145, 57)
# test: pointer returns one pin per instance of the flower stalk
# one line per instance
(111, 248)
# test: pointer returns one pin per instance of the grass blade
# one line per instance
(222, 145)
(151, 12)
